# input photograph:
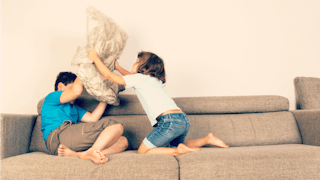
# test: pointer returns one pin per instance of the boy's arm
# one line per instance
(96, 114)
(72, 93)
(104, 70)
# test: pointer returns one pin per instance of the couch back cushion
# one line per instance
(252, 129)
(238, 120)
(130, 104)
(307, 92)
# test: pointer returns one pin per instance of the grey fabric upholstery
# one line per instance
(265, 143)
(15, 134)
(251, 129)
(136, 128)
(307, 91)
(232, 104)
(130, 104)
(309, 125)
(37, 141)
(240, 126)
(292, 161)
(126, 165)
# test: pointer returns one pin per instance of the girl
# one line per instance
(171, 124)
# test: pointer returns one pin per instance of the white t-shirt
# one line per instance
(152, 96)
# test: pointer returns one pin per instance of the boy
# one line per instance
(65, 136)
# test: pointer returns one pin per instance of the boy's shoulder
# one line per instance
(53, 96)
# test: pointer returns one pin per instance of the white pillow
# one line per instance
(105, 36)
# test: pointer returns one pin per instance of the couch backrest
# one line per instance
(237, 120)
(130, 105)
(249, 129)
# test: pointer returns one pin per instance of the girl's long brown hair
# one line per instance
(151, 64)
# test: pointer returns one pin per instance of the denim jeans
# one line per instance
(172, 128)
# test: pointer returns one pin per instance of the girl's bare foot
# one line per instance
(215, 141)
(183, 149)
(66, 152)
(95, 155)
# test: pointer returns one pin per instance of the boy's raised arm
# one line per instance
(96, 114)
(72, 93)
(104, 70)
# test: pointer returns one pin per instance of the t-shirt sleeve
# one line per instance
(53, 98)
(81, 112)
(131, 80)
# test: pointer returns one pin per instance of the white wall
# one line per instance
(210, 47)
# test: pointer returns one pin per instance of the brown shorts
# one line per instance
(77, 137)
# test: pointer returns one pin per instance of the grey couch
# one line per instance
(307, 91)
(267, 141)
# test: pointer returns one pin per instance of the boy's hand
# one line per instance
(93, 55)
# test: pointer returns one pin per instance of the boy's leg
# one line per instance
(89, 137)
(108, 137)
(97, 135)
(119, 146)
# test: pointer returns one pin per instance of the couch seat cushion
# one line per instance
(292, 161)
(125, 165)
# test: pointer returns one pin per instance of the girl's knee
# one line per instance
(143, 149)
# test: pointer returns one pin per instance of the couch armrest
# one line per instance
(16, 133)
(309, 125)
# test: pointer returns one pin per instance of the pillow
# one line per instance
(109, 40)
(307, 92)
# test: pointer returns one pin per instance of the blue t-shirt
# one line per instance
(54, 113)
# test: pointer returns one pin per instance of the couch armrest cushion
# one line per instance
(309, 125)
(16, 133)
(307, 91)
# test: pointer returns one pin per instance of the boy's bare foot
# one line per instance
(183, 149)
(64, 151)
(215, 141)
(95, 155)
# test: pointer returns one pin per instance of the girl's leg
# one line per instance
(210, 139)
(181, 149)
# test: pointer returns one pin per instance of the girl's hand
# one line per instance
(92, 55)
(116, 65)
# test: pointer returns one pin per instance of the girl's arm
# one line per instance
(104, 70)
(120, 69)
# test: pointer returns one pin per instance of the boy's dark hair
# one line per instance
(151, 64)
(66, 78)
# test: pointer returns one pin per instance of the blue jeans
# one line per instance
(172, 128)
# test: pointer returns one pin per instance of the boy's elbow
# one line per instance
(78, 90)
